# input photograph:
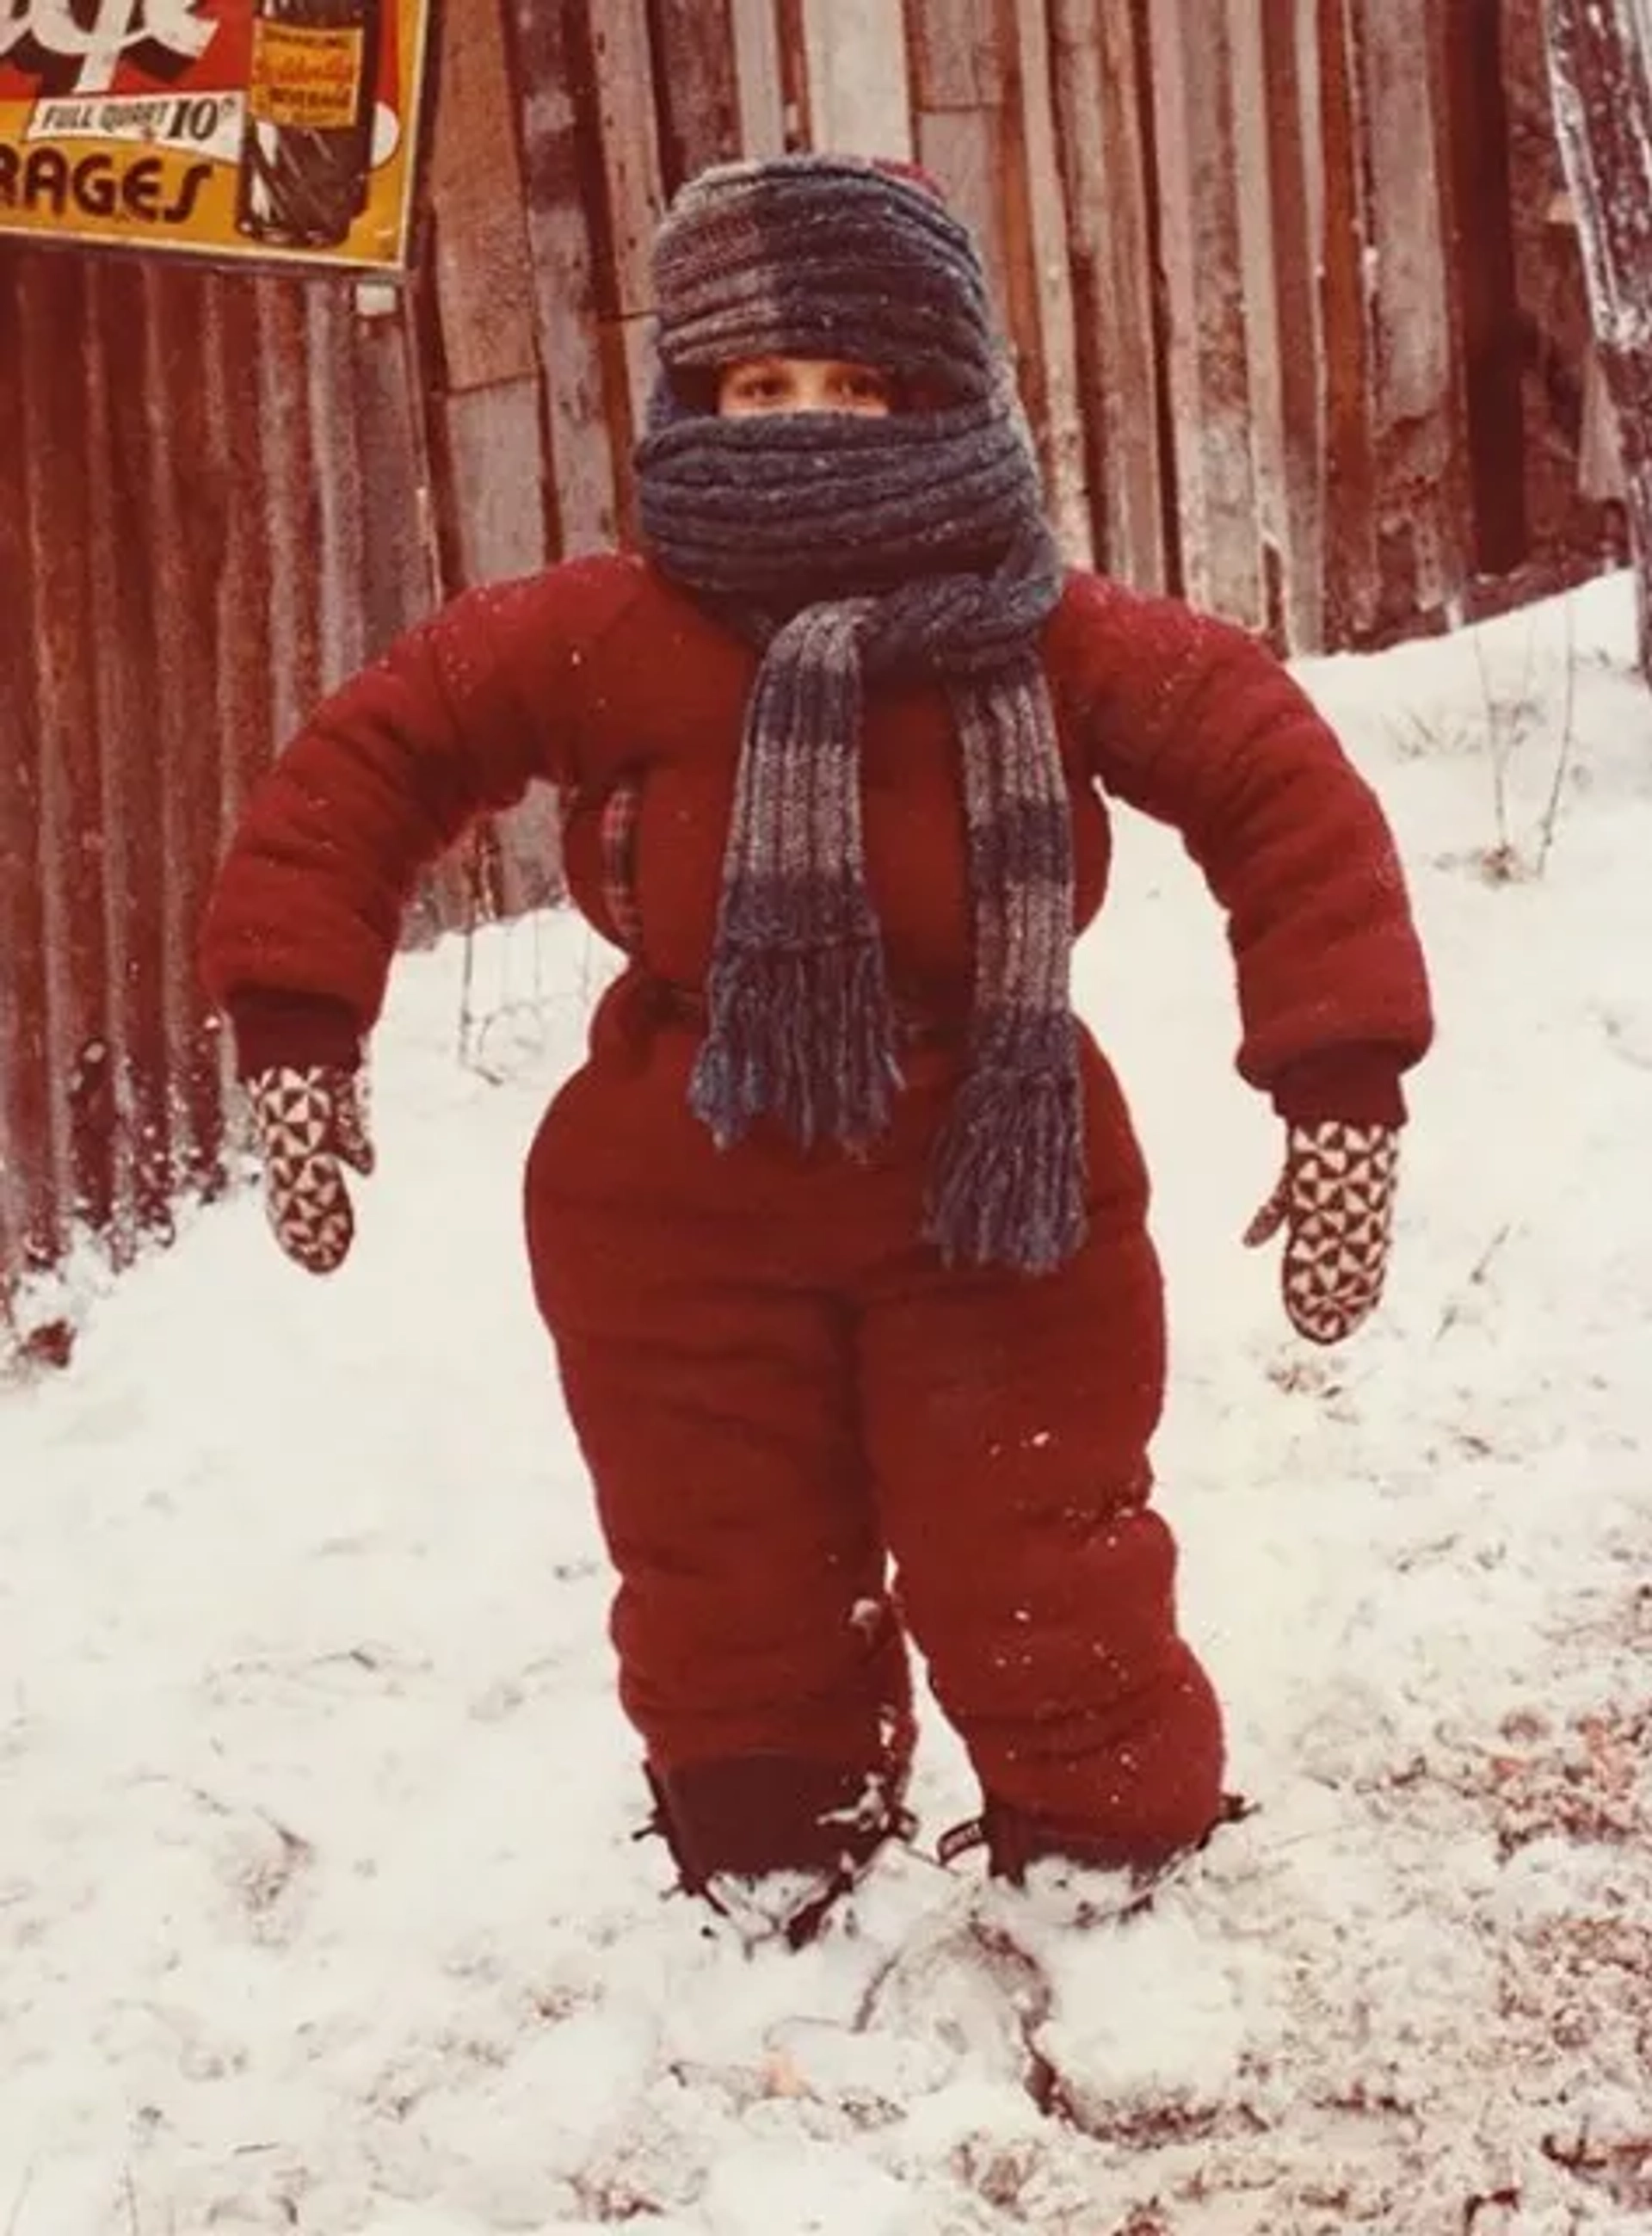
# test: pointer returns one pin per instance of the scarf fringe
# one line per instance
(805, 1035)
(1008, 1183)
(909, 548)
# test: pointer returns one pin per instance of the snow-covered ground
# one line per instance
(319, 1907)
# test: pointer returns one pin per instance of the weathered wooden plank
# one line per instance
(293, 475)
(963, 151)
(958, 94)
(1204, 290)
(1481, 270)
(1015, 255)
(1413, 353)
(700, 92)
(622, 102)
(1351, 589)
(401, 567)
(859, 97)
(1287, 61)
(561, 179)
(1418, 423)
(628, 372)
(341, 517)
(493, 492)
(1487, 494)
(759, 77)
(480, 254)
(977, 158)
(1601, 60)
(1258, 244)
(493, 446)
(403, 577)
(797, 96)
(498, 521)
(957, 50)
(1105, 166)
(1554, 344)
(634, 340)
(623, 84)
(1047, 291)
(1303, 15)
(1281, 327)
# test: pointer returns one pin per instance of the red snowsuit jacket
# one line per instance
(598, 672)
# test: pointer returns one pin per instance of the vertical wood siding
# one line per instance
(1258, 259)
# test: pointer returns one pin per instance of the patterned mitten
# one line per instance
(310, 1124)
(1335, 1201)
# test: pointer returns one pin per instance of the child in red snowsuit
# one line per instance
(840, 1232)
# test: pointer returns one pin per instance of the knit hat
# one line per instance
(852, 549)
(822, 256)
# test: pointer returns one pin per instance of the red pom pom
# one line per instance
(913, 174)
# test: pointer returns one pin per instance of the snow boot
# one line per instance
(773, 1842)
(1076, 1876)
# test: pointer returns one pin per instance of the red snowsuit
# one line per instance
(776, 1385)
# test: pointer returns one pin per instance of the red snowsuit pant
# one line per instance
(780, 1392)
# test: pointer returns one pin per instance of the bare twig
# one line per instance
(1482, 1266)
(14, 2219)
(467, 991)
(1500, 748)
(1563, 758)
(1506, 719)
(527, 1013)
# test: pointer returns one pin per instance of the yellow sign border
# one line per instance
(106, 232)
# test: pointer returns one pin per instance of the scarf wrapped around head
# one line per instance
(852, 548)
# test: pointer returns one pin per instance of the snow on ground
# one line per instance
(319, 1907)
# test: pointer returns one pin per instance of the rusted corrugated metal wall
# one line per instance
(1255, 258)
(188, 555)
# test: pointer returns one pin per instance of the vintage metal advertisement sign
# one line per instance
(240, 130)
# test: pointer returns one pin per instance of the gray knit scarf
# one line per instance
(852, 551)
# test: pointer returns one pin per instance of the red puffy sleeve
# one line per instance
(1195, 723)
(456, 719)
